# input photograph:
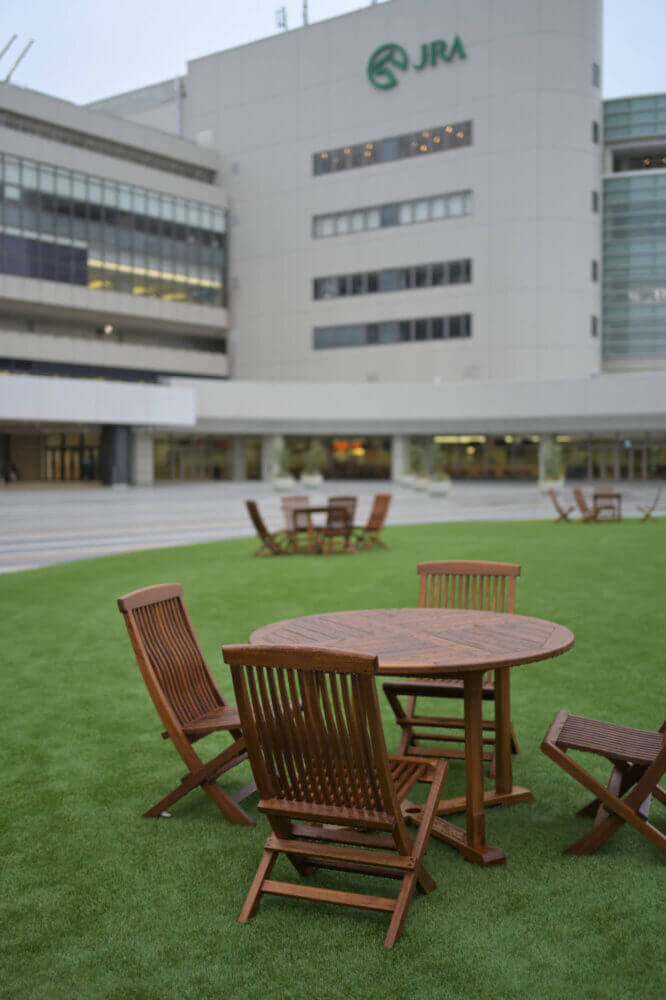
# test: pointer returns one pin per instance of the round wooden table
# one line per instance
(427, 642)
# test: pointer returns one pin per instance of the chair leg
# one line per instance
(251, 904)
(226, 804)
(400, 912)
(205, 777)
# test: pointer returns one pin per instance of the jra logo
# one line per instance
(388, 58)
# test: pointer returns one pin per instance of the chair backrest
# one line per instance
(295, 522)
(169, 655)
(380, 506)
(257, 519)
(470, 584)
(581, 501)
(331, 754)
(335, 519)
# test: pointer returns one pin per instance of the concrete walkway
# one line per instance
(42, 526)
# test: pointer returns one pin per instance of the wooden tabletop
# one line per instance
(426, 641)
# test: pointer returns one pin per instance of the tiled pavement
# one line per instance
(40, 526)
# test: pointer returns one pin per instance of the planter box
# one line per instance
(421, 483)
(551, 484)
(283, 483)
(439, 487)
(311, 480)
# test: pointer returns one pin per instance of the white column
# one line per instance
(399, 456)
(270, 446)
(546, 445)
(238, 467)
(142, 459)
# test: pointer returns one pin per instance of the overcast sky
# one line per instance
(87, 49)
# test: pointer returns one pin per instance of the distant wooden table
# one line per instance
(426, 642)
(316, 533)
(608, 502)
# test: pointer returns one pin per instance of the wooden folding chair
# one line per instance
(647, 512)
(336, 535)
(185, 695)
(325, 762)
(639, 762)
(586, 513)
(562, 512)
(277, 543)
(482, 586)
(367, 537)
(297, 522)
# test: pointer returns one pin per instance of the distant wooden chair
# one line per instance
(185, 695)
(647, 512)
(297, 522)
(337, 533)
(562, 512)
(327, 764)
(275, 543)
(472, 585)
(368, 536)
(639, 763)
(586, 513)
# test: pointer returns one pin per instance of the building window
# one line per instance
(595, 201)
(596, 75)
(365, 154)
(594, 326)
(392, 279)
(595, 270)
(595, 131)
(393, 331)
(402, 213)
(62, 225)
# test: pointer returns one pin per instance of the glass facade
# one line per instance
(397, 213)
(634, 116)
(398, 147)
(634, 266)
(393, 331)
(394, 279)
(60, 225)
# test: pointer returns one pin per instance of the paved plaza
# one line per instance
(41, 526)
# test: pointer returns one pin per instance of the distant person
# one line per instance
(11, 474)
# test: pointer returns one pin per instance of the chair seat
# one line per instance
(225, 717)
(609, 740)
(451, 687)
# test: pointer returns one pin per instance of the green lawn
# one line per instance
(100, 903)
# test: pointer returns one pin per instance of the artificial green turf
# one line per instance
(100, 903)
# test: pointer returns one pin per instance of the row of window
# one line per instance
(107, 147)
(98, 193)
(634, 248)
(394, 279)
(400, 213)
(398, 147)
(393, 331)
(62, 225)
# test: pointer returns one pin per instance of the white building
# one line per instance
(413, 195)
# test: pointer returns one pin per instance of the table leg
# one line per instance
(503, 774)
(505, 792)
(472, 842)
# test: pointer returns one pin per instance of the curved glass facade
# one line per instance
(61, 225)
(631, 117)
(634, 265)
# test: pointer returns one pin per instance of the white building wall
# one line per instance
(526, 85)
(40, 399)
